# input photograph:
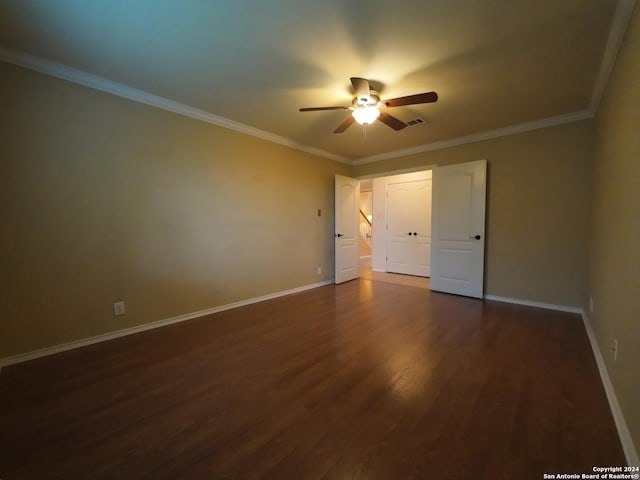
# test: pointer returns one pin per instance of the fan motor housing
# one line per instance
(371, 100)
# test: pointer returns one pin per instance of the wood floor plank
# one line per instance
(363, 380)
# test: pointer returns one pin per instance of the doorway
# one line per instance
(408, 227)
(457, 251)
(396, 278)
(399, 209)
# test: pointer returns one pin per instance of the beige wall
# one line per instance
(106, 199)
(537, 209)
(615, 250)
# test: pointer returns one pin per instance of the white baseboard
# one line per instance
(378, 270)
(630, 452)
(628, 447)
(149, 326)
(527, 303)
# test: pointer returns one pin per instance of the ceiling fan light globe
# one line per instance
(366, 116)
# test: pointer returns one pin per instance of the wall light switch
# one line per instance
(118, 308)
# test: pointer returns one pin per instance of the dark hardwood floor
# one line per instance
(366, 380)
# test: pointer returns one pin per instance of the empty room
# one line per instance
(320, 240)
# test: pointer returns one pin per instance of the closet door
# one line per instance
(409, 227)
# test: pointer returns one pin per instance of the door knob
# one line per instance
(475, 237)
(338, 235)
(409, 233)
(415, 234)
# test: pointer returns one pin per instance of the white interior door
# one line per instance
(409, 225)
(457, 262)
(422, 264)
(347, 256)
(399, 233)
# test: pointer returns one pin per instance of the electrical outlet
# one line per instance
(614, 348)
(118, 308)
(319, 270)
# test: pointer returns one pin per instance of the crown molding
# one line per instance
(80, 77)
(476, 137)
(619, 25)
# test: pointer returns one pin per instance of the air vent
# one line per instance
(415, 121)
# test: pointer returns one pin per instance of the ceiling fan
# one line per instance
(366, 105)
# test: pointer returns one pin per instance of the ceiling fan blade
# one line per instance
(429, 97)
(318, 109)
(344, 125)
(391, 121)
(361, 87)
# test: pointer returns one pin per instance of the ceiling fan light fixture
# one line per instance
(365, 106)
(366, 115)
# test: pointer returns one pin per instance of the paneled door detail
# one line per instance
(347, 209)
(409, 227)
(457, 263)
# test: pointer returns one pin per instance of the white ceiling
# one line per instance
(494, 63)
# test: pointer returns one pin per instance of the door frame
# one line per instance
(378, 260)
(376, 265)
(403, 178)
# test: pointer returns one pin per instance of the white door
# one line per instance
(409, 226)
(347, 257)
(423, 195)
(399, 233)
(457, 262)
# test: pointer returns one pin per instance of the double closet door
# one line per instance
(409, 227)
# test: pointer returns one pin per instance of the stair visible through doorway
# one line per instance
(365, 235)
